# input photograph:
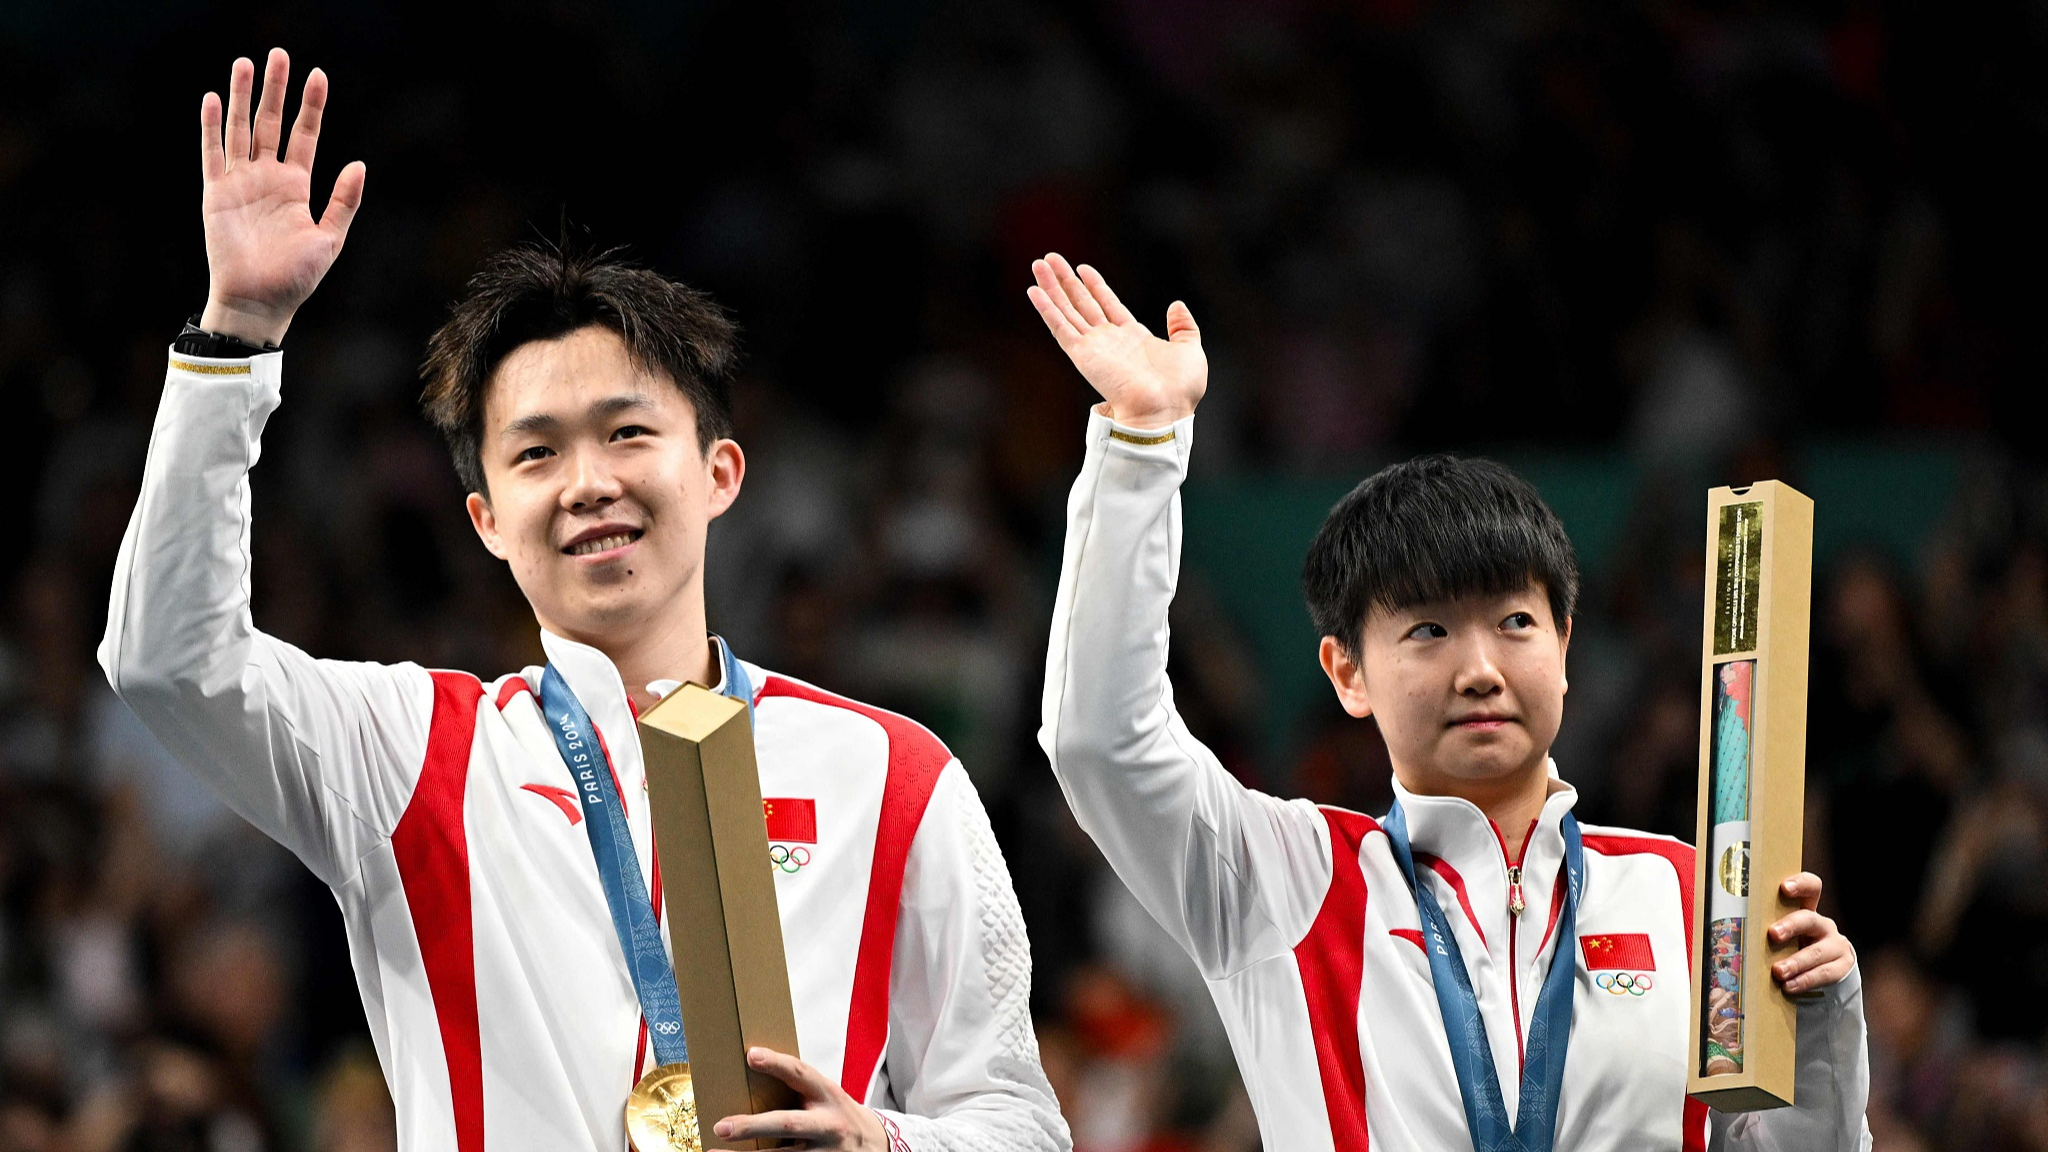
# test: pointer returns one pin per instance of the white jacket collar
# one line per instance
(1455, 831)
(597, 684)
(663, 687)
(593, 677)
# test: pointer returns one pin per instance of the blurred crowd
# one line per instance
(1706, 233)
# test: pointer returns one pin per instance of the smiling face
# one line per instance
(1469, 692)
(599, 494)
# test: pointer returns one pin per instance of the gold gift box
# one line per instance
(704, 795)
(1752, 792)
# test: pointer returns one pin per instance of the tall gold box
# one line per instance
(1752, 793)
(711, 840)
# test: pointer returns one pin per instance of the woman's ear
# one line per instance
(1564, 644)
(1347, 676)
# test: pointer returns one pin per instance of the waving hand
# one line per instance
(265, 253)
(1148, 382)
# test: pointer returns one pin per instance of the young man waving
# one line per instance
(492, 899)
(1338, 946)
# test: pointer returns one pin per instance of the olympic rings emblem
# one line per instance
(1624, 983)
(668, 1027)
(788, 859)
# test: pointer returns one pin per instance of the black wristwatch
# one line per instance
(197, 341)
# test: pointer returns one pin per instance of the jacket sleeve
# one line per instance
(321, 755)
(962, 1058)
(1234, 875)
(1830, 1089)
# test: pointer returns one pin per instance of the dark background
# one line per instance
(1636, 250)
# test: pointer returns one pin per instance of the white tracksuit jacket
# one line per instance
(1305, 930)
(438, 809)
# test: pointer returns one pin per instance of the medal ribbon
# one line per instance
(1550, 1029)
(618, 868)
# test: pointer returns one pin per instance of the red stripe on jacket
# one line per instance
(431, 848)
(1457, 882)
(915, 760)
(1332, 963)
(1680, 857)
(510, 689)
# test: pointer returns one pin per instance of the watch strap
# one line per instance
(197, 341)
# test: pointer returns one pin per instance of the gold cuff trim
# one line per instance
(211, 369)
(1132, 438)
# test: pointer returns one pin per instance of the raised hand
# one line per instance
(265, 253)
(1148, 382)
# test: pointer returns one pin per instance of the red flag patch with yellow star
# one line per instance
(1617, 950)
(792, 819)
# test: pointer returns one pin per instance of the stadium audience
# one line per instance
(1699, 236)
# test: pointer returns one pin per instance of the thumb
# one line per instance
(345, 199)
(1180, 324)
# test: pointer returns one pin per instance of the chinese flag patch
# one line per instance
(793, 819)
(1618, 950)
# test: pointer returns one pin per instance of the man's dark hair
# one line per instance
(540, 291)
(1435, 528)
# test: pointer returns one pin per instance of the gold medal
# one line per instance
(661, 1114)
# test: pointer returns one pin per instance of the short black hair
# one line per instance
(541, 291)
(1434, 528)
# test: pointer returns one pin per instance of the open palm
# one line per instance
(1148, 382)
(265, 253)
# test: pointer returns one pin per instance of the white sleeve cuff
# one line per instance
(1175, 440)
(263, 374)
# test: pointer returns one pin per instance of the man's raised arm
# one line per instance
(317, 754)
(1236, 876)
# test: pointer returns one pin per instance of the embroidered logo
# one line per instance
(1624, 983)
(563, 798)
(792, 823)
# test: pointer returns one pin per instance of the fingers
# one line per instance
(1049, 284)
(808, 1081)
(1180, 324)
(240, 77)
(1805, 924)
(1803, 887)
(344, 200)
(306, 129)
(1816, 966)
(1112, 307)
(776, 1126)
(1084, 301)
(1821, 963)
(1054, 319)
(277, 72)
(1823, 976)
(821, 1121)
(213, 161)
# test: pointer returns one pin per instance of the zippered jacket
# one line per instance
(1307, 934)
(439, 810)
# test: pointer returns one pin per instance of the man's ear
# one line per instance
(485, 522)
(727, 466)
(1347, 676)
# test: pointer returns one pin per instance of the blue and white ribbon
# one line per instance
(634, 917)
(1535, 1125)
